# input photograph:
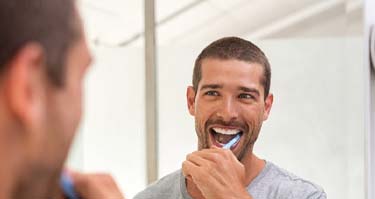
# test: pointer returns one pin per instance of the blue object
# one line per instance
(232, 142)
(67, 185)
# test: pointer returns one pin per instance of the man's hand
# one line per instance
(217, 173)
(95, 186)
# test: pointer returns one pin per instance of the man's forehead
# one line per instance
(232, 64)
(231, 70)
(231, 73)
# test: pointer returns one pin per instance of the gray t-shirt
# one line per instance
(271, 183)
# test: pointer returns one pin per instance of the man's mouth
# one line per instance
(221, 136)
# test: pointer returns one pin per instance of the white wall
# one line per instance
(112, 137)
(316, 127)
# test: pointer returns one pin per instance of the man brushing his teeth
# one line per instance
(230, 99)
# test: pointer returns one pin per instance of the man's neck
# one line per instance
(19, 180)
(18, 177)
(7, 183)
(9, 170)
(253, 166)
(16, 171)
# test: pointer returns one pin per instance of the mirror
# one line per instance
(315, 48)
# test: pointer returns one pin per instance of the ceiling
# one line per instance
(120, 22)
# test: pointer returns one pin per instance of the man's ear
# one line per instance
(24, 84)
(190, 96)
(267, 106)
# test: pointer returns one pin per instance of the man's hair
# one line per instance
(234, 48)
(50, 23)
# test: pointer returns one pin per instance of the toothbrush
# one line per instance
(232, 142)
(67, 186)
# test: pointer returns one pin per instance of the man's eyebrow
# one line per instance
(211, 86)
(250, 90)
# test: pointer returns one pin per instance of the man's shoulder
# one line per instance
(167, 187)
(280, 182)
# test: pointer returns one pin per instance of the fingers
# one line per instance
(213, 161)
(216, 155)
(189, 169)
(195, 167)
(96, 185)
(215, 171)
(197, 159)
(80, 181)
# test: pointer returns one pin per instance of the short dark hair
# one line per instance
(234, 48)
(50, 23)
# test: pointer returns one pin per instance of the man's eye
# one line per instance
(245, 96)
(212, 93)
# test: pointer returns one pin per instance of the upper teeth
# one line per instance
(226, 131)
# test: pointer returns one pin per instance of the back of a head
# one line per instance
(37, 41)
(234, 48)
(50, 23)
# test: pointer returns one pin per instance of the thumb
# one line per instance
(80, 181)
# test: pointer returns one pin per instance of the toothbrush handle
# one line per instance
(231, 142)
(67, 186)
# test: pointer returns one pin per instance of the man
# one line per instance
(43, 59)
(229, 97)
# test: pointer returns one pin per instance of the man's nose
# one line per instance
(228, 110)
